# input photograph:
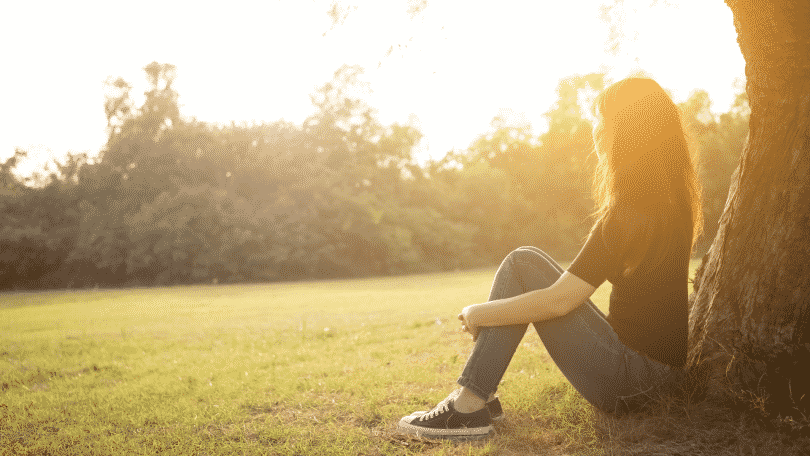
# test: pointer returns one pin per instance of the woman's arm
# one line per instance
(568, 292)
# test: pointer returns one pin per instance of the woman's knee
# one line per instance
(530, 255)
(530, 247)
(526, 254)
(531, 263)
(545, 256)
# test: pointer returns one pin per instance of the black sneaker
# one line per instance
(444, 422)
(494, 406)
(495, 409)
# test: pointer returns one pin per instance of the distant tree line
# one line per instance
(172, 200)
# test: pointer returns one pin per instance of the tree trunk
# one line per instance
(749, 324)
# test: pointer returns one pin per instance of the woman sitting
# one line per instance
(648, 217)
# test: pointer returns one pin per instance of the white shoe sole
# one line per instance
(422, 412)
(452, 434)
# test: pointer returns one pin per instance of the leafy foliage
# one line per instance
(174, 200)
(719, 139)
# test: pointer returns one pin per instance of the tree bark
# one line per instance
(749, 324)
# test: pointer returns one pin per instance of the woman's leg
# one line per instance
(496, 345)
(581, 343)
(559, 269)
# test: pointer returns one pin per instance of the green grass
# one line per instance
(324, 367)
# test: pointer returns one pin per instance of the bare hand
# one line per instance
(464, 316)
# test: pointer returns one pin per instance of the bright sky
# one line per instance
(460, 63)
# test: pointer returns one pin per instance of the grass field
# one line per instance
(324, 367)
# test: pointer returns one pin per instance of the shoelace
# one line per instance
(441, 408)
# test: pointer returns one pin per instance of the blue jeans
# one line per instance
(608, 374)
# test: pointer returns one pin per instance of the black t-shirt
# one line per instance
(649, 309)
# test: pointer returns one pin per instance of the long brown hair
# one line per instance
(649, 162)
